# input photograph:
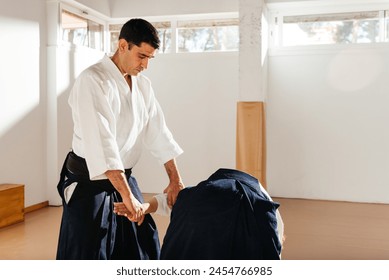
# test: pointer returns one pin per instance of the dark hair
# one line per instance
(137, 31)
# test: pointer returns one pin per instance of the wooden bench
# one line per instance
(11, 204)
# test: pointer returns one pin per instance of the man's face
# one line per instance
(137, 58)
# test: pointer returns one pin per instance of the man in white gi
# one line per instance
(116, 116)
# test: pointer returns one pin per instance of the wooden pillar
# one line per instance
(251, 140)
(251, 128)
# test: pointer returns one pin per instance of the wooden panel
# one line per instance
(36, 207)
(11, 204)
(250, 140)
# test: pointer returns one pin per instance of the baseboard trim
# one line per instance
(36, 207)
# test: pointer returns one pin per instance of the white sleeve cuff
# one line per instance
(162, 209)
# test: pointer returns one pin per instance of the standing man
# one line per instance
(116, 116)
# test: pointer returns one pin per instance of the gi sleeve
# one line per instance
(96, 125)
(162, 209)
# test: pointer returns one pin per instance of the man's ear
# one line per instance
(122, 45)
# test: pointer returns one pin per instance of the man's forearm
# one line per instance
(175, 184)
(119, 181)
(172, 171)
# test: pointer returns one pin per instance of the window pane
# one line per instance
(331, 29)
(74, 28)
(114, 31)
(165, 35)
(81, 31)
(95, 35)
(386, 26)
(208, 35)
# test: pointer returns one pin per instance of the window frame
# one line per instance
(85, 15)
(277, 11)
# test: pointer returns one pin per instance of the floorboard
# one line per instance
(315, 230)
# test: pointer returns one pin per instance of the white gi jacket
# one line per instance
(112, 124)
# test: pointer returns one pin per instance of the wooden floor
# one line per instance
(315, 230)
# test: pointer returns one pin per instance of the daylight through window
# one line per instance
(208, 35)
(341, 28)
(81, 31)
(191, 36)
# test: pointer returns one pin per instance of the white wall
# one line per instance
(198, 93)
(327, 121)
(125, 8)
(22, 96)
(326, 116)
(101, 6)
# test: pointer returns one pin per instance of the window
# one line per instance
(208, 35)
(81, 31)
(191, 35)
(386, 26)
(291, 27)
(342, 28)
(165, 35)
(114, 32)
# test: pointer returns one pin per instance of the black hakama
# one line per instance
(226, 216)
(90, 230)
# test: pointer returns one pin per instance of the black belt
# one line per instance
(77, 166)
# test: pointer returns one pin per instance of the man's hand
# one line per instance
(120, 209)
(175, 184)
(119, 181)
(135, 208)
(172, 191)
